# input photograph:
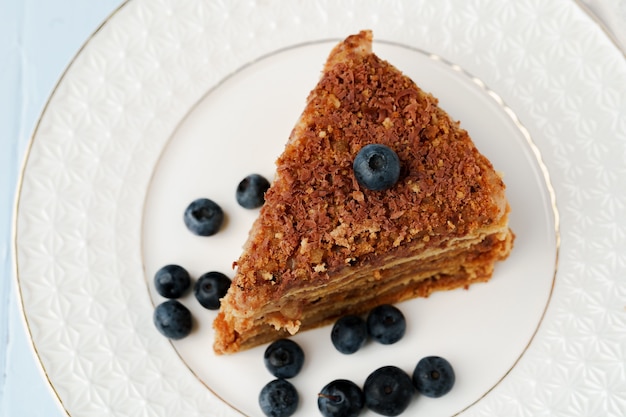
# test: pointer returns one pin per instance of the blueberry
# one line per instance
(284, 358)
(433, 376)
(341, 398)
(172, 319)
(171, 281)
(278, 398)
(376, 167)
(251, 191)
(388, 391)
(386, 324)
(203, 217)
(349, 334)
(210, 288)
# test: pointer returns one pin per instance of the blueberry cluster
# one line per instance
(385, 324)
(171, 317)
(283, 359)
(340, 398)
(204, 217)
(388, 390)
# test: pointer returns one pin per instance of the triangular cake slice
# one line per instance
(323, 246)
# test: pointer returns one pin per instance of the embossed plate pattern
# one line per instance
(89, 166)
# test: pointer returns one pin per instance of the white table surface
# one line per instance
(37, 41)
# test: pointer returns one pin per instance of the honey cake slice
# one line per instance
(323, 246)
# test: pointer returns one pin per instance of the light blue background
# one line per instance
(38, 39)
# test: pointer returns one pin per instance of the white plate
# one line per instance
(170, 101)
(225, 138)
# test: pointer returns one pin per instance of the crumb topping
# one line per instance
(317, 218)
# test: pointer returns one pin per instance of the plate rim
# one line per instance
(41, 368)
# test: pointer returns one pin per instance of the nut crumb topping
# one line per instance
(316, 217)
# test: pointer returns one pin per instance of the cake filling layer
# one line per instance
(356, 293)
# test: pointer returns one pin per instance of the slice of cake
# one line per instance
(324, 246)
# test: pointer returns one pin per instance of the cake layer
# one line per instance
(356, 293)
